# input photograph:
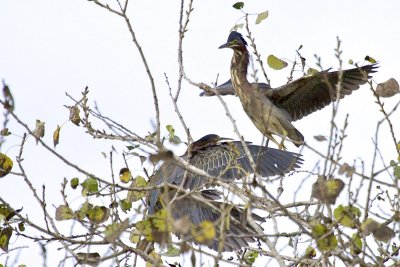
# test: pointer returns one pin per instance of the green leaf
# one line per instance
(125, 205)
(370, 59)
(5, 132)
(347, 216)
(396, 172)
(74, 183)
(238, 5)
(90, 186)
(262, 16)
(21, 226)
(355, 245)
(5, 235)
(63, 212)
(310, 252)
(6, 165)
(325, 240)
(237, 27)
(250, 257)
(276, 63)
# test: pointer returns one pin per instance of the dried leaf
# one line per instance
(135, 195)
(261, 16)
(162, 155)
(63, 212)
(388, 88)
(39, 130)
(92, 259)
(346, 169)
(56, 136)
(74, 116)
(320, 138)
(327, 190)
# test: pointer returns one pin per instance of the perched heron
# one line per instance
(273, 110)
(226, 160)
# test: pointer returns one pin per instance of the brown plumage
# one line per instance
(273, 110)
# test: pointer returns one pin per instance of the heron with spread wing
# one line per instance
(226, 160)
(273, 110)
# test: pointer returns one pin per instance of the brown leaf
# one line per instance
(327, 190)
(319, 138)
(388, 88)
(74, 115)
(346, 169)
(39, 130)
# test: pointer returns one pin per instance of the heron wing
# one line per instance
(308, 94)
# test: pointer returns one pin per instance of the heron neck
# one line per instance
(240, 61)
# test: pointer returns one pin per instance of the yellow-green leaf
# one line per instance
(134, 236)
(172, 251)
(125, 205)
(113, 231)
(125, 175)
(325, 240)
(262, 16)
(204, 232)
(347, 216)
(250, 257)
(98, 214)
(276, 63)
(310, 252)
(370, 59)
(90, 186)
(312, 71)
(6, 165)
(63, 212)
(134, 194)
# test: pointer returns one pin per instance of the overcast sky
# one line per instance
(51, 47)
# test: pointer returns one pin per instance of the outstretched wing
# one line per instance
(228, 161)
(308, 94)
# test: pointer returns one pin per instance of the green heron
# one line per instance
(223, 159)
(273, 110)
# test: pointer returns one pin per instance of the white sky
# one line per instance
(49, 47)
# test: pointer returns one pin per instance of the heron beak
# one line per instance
(226, 45)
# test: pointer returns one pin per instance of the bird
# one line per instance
(273, 109)
(225, 159)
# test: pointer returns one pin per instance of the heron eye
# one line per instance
(234, 41)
